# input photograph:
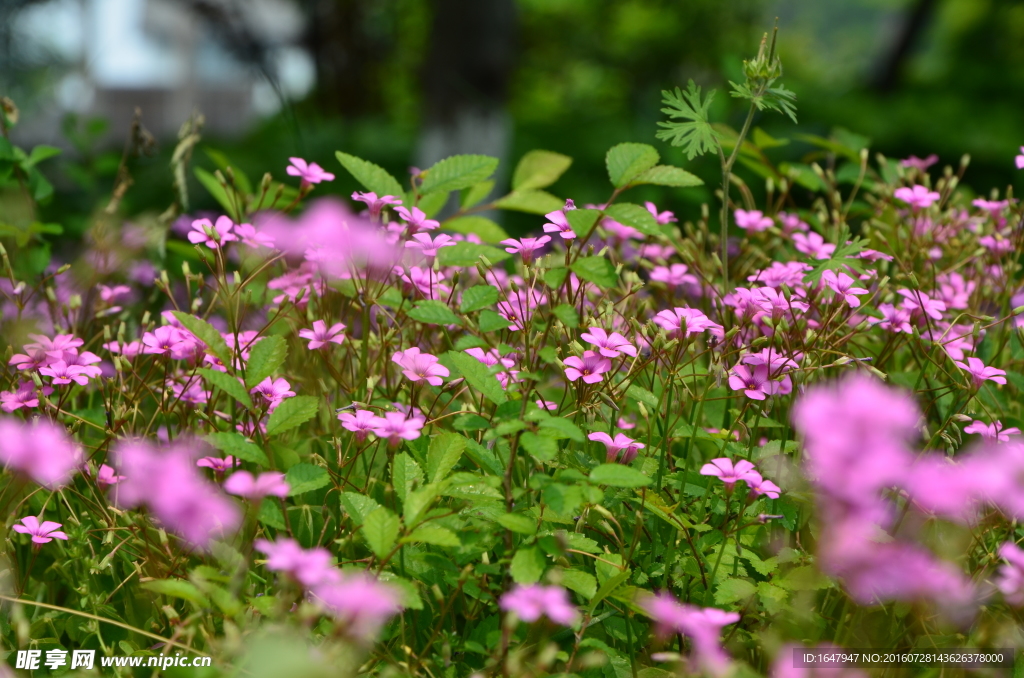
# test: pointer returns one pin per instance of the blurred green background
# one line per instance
(573, 76)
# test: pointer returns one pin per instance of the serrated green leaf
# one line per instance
(478, 376)
(237, 446)
(568, 315)
(481, 226)
(418, 501)
(373, 177)
(581, 582)
(490, 321)
(405, 473)
(380, 529)
(228, 384)
(539, 169)
(734, 590)
(265, 357)
(292, 412)
(472, 196)
(444, 453)
(207, 334)
(555, 277)
(358, 506)
(666, 175)
(626, 161)
(560, 427)
(478, 297)
(597, 270)
(270, 514)
(582, 220)
(457, 172)
(618, 475)
(541, 446)
(177, 588)
(303, 477)
(468, 254)
(695, 135)
(635, 216)
(434, 312)
(642, 395)
(435, 535)
(528, 565)
(530, 201)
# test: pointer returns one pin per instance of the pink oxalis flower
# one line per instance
(212, 235)
(621, 448)
(243, 484)
(980, 373)
(589, 368)
(918, 197)
(321, 335)
(728, 472)
(530, 602)
(310, 172)
(417, 365)
(42, 532)
(609, 345)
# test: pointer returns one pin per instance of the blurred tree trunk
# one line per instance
(466, 78)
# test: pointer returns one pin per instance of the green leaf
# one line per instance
(373, 177)
(472, 196)
(528, 565)
(358, 506)
(607, 588)
(618, 475)
(228, 384)
(530, 201)
(539, 169)
(581, 582)
(490, 321)
(444, 453)
(478, 297)
(237, 446)
(222, 163)
(636, 216)
(541, 446)
(666, 175)
(433, 203)
(405, 473)
(734, 590)
(642, 395)
(468, 254)
(39, 154)
(380, 529)
(458, 172)
(270, 514)
(434, 312)
(418, 501)
(802, 578)
(177, 588)
(304, 477)
(597, 270)
(207, 334)
(626, 161)
(764, 141)
(568, 315)
(478, 376)
(481, 226)
(555, 277)
(265, 357)
(215, 189)
(434, 534)
(518, 522)
(560, 427)
(291, 413)
(695, 135)
(407, 591)
(582, 220)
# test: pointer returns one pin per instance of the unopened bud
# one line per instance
(63, 269)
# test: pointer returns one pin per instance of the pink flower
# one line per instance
(813, 244)
(920, 303)
(62, 373)
(179, 496)
(525, 246)
(674, 276)
(374, 203)
(40, 450)
(791, 223)
(663, 218)
(248, 235)
(395, 426)
(243, 484)
(725, 470)
(1011, 575)
(41, 532)
(756, 384)
(417, 219)
(753, 221)
(759, 486)
(126, 349)
(842, 284)
(361, 423)
(1020, 159)
(702, 626)
(622, 448)
(994, 431)
(361, 602)
(32, 359)
(218, 465)
(547, 405)
(558, 223)
(590, 367)
(109, 294)
(919, 163)
(428, 246)
(106, 476)
(321, 335)
(416, 366)
(166, 339)
(532, 601)
(917, 197)
(24, 396)
(273, 391)
(311, 173)
(609, 345)
(979, 372)
(212, 235)
(893, 319)
(60, 347)
(307, 567)
(687, 321)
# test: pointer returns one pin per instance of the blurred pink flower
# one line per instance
(417, 220)
(674, 276)
(243, 484)
(622, 448)
(1010, 580)
(361, 602)
(530, 602)
(702, 625)
(218, 465)
(311, 173)
(919, 163)
(752, 221)
(917, 197)
(40, 450)
(307, 567)
(992, 432)
(376, 204)
(24, 396)
(429, 246)
(1019, 160)
(41, 532)
(813, 244)
(663, 218)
